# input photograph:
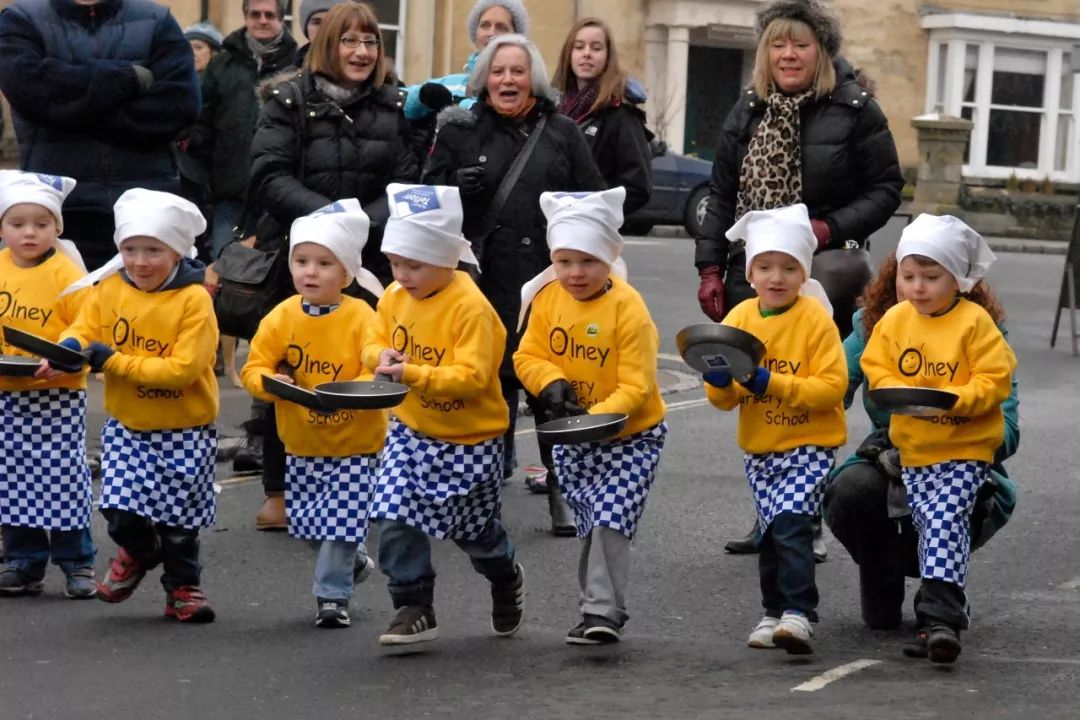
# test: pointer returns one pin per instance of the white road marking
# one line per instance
(1073, 584)
(830, 676)
(646, 243)
(672, 358)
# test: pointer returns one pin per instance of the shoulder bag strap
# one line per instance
(502, 194)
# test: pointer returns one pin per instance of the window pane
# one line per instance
(971, 62)
(1019, 76)
(1061, 152)
(1066, 83)
(968, 113)
(389, 38)
(1013, 139)
(386, 10)
(942, 65)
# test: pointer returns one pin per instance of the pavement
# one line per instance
(683, 654)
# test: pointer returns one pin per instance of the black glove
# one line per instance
(557, 400)
(435, 96)
(470, 180)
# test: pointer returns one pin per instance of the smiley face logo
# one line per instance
(121, 329)
(558, 340)
(294, 356)
(592, 330)
(6, 299)
(910, 362)
(399, 340)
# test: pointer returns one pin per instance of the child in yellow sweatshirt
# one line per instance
(45, 494)
(332, 458)
(791, 414)
(149, 326)
(939, 339)
(591, 347)
(442, 466)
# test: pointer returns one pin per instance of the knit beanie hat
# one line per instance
(206, 32)
(518, 14)
(310, 7)
(821, 20)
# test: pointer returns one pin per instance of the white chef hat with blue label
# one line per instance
(342, 228)
(425, 225)
(48, 191)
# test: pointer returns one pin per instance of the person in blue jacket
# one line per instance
(866, 505)
(98, 89)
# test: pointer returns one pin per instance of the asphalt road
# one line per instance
(683, 654)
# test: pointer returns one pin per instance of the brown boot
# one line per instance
(272, 513)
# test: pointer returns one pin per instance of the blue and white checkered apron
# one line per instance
(44, 479)
(446, 490)
(788, 481)
(606, 483)
(942, 497)
(328, 498)
(164, 475)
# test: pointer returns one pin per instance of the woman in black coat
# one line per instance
(333, 131)
(475, 148)
(593, 88)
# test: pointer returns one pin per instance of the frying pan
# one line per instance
(708, 346)
(292, 393)
(581, 428)
(43, 348)
(377, 394)
(918, 402)
(18, 365)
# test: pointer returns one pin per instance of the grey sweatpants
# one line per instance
(603, 570)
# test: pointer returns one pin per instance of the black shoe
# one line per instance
(15, 582)
(746, 545)
(412, 624)
(562, 517)
(600, 630)
(333, 614)
(576, 636)
(881, 596)
(248, 459)
(918, 647)
(943, 645)
(508, 604)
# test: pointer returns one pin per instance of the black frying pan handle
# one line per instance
(383, 377)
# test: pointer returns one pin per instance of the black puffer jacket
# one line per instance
(221, 139)
(851, 174)
(616, 136)
(512, 248)
(301, 162)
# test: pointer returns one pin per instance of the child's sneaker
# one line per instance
(125, 574)
(601, 630)
(14, 581)
(363, 567)
(943, 645)
(761, 637)
(80, 584)
(187, 603)
(919, 646)
(333, 614)
(508, 604)
(793, 633)
(412, 624)
(576, 635)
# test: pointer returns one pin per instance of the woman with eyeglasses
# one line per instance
(334, 131)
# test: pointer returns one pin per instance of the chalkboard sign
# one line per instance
(1068, 298)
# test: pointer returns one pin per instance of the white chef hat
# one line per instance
(342, 228)
(168, 218)
(949, 242)
(48, 191)
(787, 230)
(425, 225)
(588, 222)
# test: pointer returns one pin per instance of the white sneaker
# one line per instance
(793, 633)
(761, 638)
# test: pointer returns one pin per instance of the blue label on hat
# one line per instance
(416, 200)
(334, 207)
(575, 195)
(53, 181)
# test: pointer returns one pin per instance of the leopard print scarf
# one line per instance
(771, 172)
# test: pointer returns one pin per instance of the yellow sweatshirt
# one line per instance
(804, 403)
(28, 301)
(316, 350)
(961, 351)
(455, 343)
(161, 376)
(605, 348)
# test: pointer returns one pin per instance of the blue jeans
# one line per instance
(786, 566)
(334, 564)
(29, 549)
(405, 558)
(226, 215)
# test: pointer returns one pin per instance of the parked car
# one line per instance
(680, 193)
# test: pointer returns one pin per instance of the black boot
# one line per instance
(881, 594)
(745, 545)
(562, 517)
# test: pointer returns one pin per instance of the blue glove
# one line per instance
(719, 378)
(99, 355)
(757, 383)
(70, 344)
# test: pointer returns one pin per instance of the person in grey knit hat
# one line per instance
(313, 10)
(519, 16)
(205, 41)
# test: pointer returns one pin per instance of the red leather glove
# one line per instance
(821, 232)
(710, 294)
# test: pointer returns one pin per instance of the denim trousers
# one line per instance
(176, 549)
(405, 558)
(335, 561)
(29, 549)
(786, 566)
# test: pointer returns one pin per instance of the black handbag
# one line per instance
(843, 272)
(251, 285)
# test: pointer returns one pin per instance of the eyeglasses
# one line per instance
(264, 14)
(352, 42)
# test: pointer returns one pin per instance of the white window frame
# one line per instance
(399, 37)
(955, 31)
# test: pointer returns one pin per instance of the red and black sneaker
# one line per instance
(187, 603)
(125, 574)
